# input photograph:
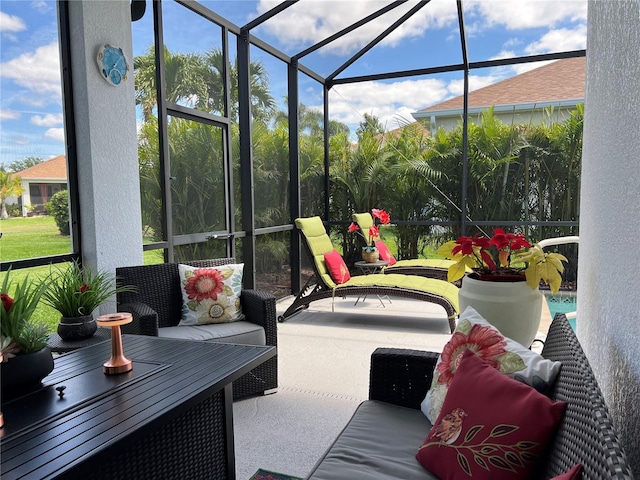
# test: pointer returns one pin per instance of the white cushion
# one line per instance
(508, 356)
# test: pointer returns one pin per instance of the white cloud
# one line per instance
(525, 67)
(387, 101)
(393, 103)
(41, 6)
(8, 115)
(38, 71)
(55, 134)
(311, 21)
(560, 40)
(529, 13)
(11, 23)
(48, 120)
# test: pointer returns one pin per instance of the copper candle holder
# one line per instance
(118, 363)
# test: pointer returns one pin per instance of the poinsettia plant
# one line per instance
(379, 216)
(504, 254)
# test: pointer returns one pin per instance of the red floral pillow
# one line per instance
(336, 266)
(491, 427)
(572, 474)
(385, 253)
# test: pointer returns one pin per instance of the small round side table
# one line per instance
(368, 268)
(371, 267)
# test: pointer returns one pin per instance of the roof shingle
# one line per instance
(560, 80)
(53, 168)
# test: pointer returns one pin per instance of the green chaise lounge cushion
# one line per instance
(319, 243)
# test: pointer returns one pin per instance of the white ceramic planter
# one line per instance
(512, 307)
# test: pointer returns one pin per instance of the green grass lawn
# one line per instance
(31, 237)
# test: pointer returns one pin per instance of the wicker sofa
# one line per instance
(382, 438)
(156, 306)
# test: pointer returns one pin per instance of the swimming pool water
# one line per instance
(562, 303)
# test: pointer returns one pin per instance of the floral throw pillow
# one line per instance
(491, 427)
(508, 356)
(211, 294)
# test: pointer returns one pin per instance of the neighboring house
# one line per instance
(558, 86)
(40, 183)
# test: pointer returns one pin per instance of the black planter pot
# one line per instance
(77, 328)
(24, 372)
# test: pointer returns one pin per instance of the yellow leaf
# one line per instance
(445, 249)
(555, 282)
(456, 271)
(533, 279)
(503, 257)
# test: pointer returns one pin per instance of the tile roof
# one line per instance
(559, 80)
(55, 168)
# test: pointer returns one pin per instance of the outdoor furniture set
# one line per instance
(390, 437)
(330, 278)
(159, 307)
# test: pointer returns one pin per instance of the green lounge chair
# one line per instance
(321, 285)
(424, 267)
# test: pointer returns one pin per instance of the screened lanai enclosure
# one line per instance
(251, 114)
(233, 167)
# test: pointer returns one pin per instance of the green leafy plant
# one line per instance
(77, 291)
(504, 254)
(19, 334)
(58, 208)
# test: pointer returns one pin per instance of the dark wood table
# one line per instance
(170, 417)
(58, 345)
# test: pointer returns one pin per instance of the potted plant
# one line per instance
(25, 358)
(503, 287)
(370, 252)
(76, 292)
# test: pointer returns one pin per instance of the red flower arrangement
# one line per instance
(379, 215)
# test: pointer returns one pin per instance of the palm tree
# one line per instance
(183, 78)
(10, 186)
(197, 80)
(411, 185)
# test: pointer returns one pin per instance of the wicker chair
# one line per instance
(321, 285)
(157, 303)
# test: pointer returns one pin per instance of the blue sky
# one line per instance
(30, 94)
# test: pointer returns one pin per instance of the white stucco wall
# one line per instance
(609, 264)
(106, 140)
(526, 117)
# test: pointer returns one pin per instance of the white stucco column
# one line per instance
(105, 119)
(608, 323)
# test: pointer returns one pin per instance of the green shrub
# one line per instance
(58, 208)
(14, 210)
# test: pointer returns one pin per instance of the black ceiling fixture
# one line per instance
(138, 7)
